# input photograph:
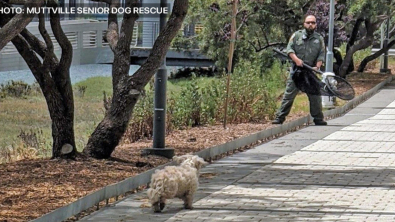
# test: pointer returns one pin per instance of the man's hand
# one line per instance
(299, 62)
(316, 68)
(296, 60)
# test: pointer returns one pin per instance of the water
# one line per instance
(77, 73)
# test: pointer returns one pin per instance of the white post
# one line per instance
(382, 45)
(328, 101)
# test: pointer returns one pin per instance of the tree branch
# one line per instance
(122, 47)
(61, 73)
(354, 33)
(253, 45)
(267, 40)
(34, 63)
(37, 45)
(365, 42)
(242, 23)
(392, 30)
(44, 33)
(369, 58)
(266, 46)
(112, 35)
(126, 32)
(49, 52)
(61, 38)
(159, 50)
(17, 23)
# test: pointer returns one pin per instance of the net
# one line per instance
(340, 87)
(307, 82)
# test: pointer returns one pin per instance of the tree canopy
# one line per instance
(266, 24)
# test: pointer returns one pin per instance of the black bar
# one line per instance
(304, 65)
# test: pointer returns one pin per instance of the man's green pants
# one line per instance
(289, 96)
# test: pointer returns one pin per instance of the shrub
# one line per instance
(81, 90)
(3, 95)
(16, 89)
(36, 89)
(184, 110)
(254, 91)
(213, 98)
(17, 152)
(197, 72)
(253, 95)
(141, 123)
(32, 144)
(36, 139)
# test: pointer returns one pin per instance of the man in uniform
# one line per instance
(305, 46)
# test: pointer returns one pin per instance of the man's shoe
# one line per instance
(320, 123)
(277, 121)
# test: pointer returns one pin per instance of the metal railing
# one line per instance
(87, 34)
(390, 52)
(86, 37)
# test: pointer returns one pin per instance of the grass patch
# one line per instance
(176, 85)
(18, 114)
(30, 114)
(94, 88)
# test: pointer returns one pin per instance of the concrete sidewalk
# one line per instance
(341, 172)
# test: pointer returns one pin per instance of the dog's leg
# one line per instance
(184, 199)
(162, 203)
(157, 208)
(188, 199)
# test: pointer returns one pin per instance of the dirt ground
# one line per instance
(31, 188)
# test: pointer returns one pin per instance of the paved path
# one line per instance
(341, 172)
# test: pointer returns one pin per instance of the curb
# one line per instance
(357, 100)
(120, 188)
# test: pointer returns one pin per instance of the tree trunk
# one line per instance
(127, 89)
(365, 42)
(110, 130)
(351, 43)
(62, 128)
(354, 34)
(339, 60)
(61, 113)
(362, 44)
(53, 76)
(63, 110)
(369, 58)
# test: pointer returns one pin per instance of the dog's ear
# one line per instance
(179, 159)
(199, 163)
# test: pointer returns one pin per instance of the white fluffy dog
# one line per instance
(176, 181)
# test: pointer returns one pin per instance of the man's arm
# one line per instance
(291, 52)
